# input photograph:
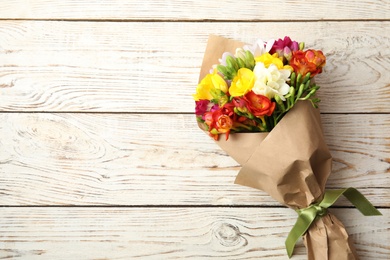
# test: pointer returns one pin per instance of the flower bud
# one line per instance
(231, 63)
(249, 60)
(240, 53)
(301, 46)
(222, 69)
(241, 63)
(300, 90)
(292, 78)
(287, 53)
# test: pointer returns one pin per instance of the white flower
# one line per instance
(240, 53)
(259, 47)
(270, 81)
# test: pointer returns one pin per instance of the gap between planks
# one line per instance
(172, 206)
(192, 20)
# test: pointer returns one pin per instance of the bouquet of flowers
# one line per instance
(262, 99)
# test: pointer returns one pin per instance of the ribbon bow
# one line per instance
(307, 215)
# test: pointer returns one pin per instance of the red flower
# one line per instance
(311, 61)
(259, 105)
(241, 105)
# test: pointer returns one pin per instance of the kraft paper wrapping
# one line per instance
(291, 163)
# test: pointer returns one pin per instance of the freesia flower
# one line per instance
(240, 53)
(259, 105)
(201, 107)
(252, 105)
(285, 47)
(311, 61)
(222, 61)
(259, 47)
(203, 91)
(241, 105)
(211, 87)
(214, 108)
(268, 59)
(252, 89)
(220, 121)
(271, 81)
(242, 83)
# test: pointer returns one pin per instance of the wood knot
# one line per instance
(228, 234)
(8, 84)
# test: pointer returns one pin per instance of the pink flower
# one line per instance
(285, 47)
(201, 106)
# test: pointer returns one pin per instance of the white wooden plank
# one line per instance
(150, 161)
(145, 67)
(194, 10)
(171, 233)
(157, 159)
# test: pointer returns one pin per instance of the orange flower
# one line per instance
(220, 121)
(311, 61)
(223, 123)
(259, 105)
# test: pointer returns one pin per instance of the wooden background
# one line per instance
(100, 154)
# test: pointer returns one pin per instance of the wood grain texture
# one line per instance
(195, 10)
(160, 159)
(170, 233)
(100, 154)
(144, 67)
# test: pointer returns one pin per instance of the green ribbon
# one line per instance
(307, 215)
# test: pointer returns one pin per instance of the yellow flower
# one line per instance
(207, 88)
(218, 82)
(242, 83)
(269, 59)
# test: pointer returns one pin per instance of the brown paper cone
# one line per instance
(216, 46)
(326, 239)
(291, 163)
